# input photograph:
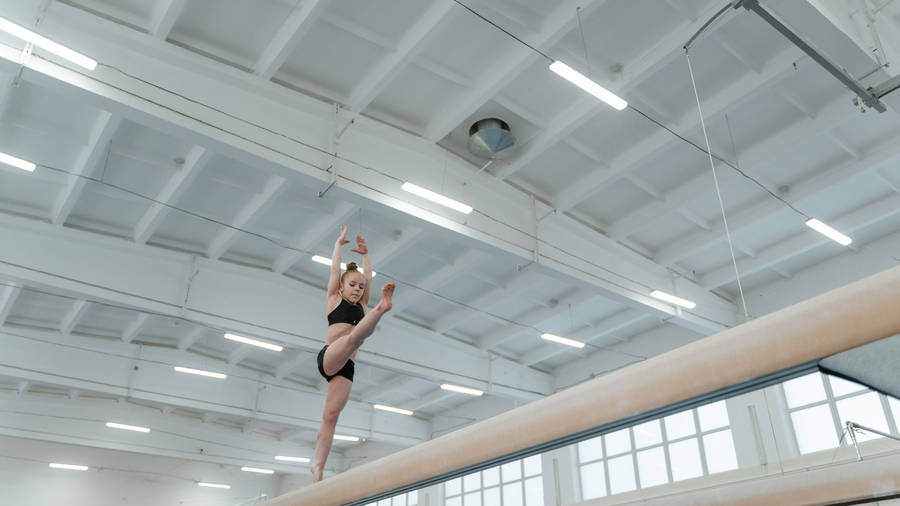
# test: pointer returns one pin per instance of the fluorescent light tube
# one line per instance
(257, 470)
(562, 340)
(198, 372)
(72, 467)
(436, 197)
(319, 259)
(462, 390)
(829, 232)
(213, 485)
(586, 84)
(254, 342)
(122, 426)
(401, 411)
(678, 301)
(17, 162)
(47, 44)
(291, 459)
(340, 437)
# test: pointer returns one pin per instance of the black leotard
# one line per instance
(346, 312)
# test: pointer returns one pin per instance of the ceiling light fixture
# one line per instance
(319, 259)
(254, 342)
(392, 409)
(828, 232)
(436, 197)
(257, 470)
(71, 467)
(135, 428)
(340, 437)
(668, 297)
(291, 459)
(588, 85)
(213, 485)
(47, 44)
(462, 390)
(199, 372)
(17, 162)
(562, 340)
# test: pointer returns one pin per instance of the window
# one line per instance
(408, 499)
(820, 406)
(517, 483)
(674, 448)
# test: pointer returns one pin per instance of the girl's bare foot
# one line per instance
(387, 291)
(316, 473)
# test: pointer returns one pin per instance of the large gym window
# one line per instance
(407, 499)
(518, 483)
(685, 445)
(820, 405)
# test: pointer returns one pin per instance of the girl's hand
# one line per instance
(341, 240)
(360, 246)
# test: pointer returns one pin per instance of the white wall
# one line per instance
(117, 478)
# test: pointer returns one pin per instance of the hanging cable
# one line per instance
(712, 166)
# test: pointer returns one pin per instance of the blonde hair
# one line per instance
(351, 267)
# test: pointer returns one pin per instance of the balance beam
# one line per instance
(836, 321)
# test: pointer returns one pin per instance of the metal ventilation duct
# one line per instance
(491, 138)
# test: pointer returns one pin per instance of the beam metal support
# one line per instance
(775, 21)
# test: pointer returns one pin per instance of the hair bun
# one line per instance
(352, 266)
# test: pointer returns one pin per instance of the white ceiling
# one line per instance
(176, 198)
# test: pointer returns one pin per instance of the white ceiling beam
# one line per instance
(165, 15)
(175, 187)
(589, 334)
(290, 434)
(795, 101)
(429, 399)
(641, 67)
(328, 226)
(82, 422)
(256, 206)
(738, 92)
(398, 382)
(239, 354)
(828, 118)
(8, 297)
(6, 92)
(288, 37)
(503, 210)
(407, 237)
(290, 365)
(96, 365)
(523, 112)
(191, 338)
(101, 133)
(890, 181)
(844, 145)
(134, 328)
(875, 158)
(559, 23)
(485, 301)
(224, 295)
(442, 71)
(806, 240)
(70, 321)
(410, 45)
(359, 30)
(533, 318)
(435, 279)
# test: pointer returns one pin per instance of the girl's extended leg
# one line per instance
(335, 400)
(340, 351)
